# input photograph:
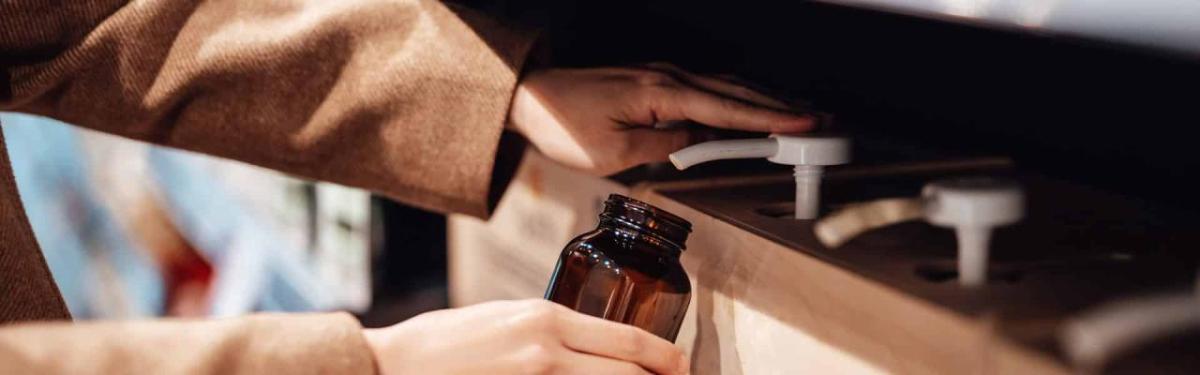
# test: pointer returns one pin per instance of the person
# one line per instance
(407, 98)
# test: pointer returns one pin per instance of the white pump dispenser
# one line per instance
(808, 153)
(973, 207)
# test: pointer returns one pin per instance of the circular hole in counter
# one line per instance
(941, 273)
(787, 210)
(779, 210)
(1013, 272)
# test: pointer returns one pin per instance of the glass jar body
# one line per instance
(623, 275)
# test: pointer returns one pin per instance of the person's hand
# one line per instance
(602, 120)
(520, 337)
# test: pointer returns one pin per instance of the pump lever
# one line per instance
(727, 149)
(809, 153)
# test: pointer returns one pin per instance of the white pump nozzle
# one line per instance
(809, 153)
(720, 150)
(1103, 333)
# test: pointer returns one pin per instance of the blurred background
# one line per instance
(134, 230)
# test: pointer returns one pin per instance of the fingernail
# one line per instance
(685, 365)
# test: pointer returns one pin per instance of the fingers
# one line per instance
(730, 94)
(722, 86)
(622, 342)
(686, 103)
(585, 364)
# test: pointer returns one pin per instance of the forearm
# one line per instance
(406, 97)
(256, 344)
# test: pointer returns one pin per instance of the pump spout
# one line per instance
(808, 153)
(728, 149)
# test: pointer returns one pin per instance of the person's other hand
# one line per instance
(602, 120)
(520, 337)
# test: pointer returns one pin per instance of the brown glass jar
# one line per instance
(627, 269)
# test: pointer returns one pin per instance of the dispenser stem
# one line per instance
(973, 255)
(808, 191)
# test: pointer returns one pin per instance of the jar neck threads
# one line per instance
(654, 224)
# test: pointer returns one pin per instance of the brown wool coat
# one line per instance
(404, 97)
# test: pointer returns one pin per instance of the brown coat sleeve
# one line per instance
(403, 97)
(257, 344)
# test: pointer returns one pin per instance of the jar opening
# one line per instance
(645, 218)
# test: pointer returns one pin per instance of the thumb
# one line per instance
(652, 145)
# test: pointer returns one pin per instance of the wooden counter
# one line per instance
(769, 299)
